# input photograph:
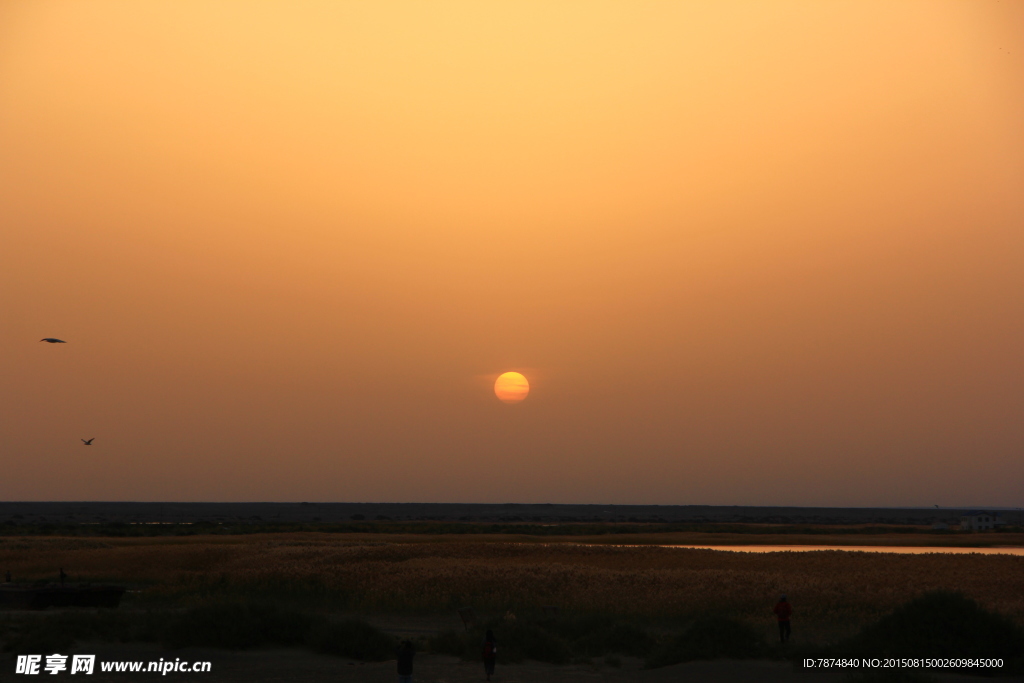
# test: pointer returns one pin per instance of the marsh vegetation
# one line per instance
(549, 601)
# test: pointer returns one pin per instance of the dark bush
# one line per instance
(709, 638)
(618, 638)
(592, 635)
(56, 632)
(237, 626)
(516, 642)
(940, 624)
(550, 640)
(244, 625)
(523, 640)
(229, 625)
(36, 638)
(351, 638)
(456, 644)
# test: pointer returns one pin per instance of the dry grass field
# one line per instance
(390, 574)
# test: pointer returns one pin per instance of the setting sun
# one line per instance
(511, 387)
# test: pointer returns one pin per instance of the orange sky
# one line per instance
(745, 252)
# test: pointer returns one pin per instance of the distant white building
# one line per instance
(980, 520)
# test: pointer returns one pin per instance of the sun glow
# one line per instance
(511, 387)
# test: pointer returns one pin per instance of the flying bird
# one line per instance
(54, 340)
(89, 442)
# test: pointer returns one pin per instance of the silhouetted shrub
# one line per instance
(351, 638)
(36, 638)
(237, 626)
(709, 638)
(557, 641)
(619, 638)
(941, 624)
(243, 625)
(56, 631)
(516, 642)
(453, 643)
(523, 640)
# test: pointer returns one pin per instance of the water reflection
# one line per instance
(911, 550)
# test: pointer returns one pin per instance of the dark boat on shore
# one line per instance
(15, 596)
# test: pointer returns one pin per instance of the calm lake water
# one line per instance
(912, 550)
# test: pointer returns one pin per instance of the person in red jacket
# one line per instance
(782, 610)
(490, 653)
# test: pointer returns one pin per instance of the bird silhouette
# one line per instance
(89, 442)
(53, 340)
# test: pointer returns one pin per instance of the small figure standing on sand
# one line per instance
(62, 576)
(406, 652)
(783, 610)
(490, 653)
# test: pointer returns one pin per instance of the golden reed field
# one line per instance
(435, 574)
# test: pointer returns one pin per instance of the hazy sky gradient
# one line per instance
(745, 252)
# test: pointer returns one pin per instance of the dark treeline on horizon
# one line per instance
(290, 514)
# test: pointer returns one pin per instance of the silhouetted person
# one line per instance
(62, 576)
(7, 576)
(783, 610)
(405, 653)
(490, 653)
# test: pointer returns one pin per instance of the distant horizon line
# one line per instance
(666, 505)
